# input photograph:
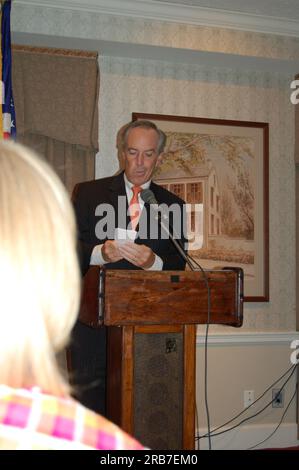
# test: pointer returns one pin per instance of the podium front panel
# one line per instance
(158, 389)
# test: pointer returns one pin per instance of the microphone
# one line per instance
(148, 197)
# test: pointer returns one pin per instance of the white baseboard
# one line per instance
(254, 338)
(244, 437)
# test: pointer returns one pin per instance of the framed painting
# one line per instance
(220, 168)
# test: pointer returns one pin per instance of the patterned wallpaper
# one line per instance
(158, 87)
(140, 85)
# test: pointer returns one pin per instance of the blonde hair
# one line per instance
(39, 273)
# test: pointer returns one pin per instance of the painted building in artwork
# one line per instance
(200, 189)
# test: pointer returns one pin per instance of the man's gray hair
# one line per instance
(143, 124)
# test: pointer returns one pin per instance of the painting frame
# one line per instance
(218, 141)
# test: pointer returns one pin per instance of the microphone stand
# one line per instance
(175, 242)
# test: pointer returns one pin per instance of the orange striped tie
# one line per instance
(134, 207)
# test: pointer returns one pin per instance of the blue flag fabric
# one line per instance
(8, 109)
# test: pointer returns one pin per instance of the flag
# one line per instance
(1, 83)
(8, 109)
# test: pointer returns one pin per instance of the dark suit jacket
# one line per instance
(88, 196)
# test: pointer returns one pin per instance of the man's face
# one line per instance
(141, 155)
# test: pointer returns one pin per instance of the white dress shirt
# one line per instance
(96, 255)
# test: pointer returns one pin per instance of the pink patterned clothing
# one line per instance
(30, 419)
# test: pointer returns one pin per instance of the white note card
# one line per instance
(122, 235)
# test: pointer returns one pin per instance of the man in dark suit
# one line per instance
(103, 205)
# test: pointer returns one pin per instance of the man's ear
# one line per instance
(159, 160)
(122, 159)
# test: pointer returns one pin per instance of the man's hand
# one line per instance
(139, 255)
(110, 251)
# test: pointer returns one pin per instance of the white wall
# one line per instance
(246, 362)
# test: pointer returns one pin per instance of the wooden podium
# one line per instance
(151, 319)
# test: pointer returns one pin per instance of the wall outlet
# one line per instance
(248, 398)
(277, 398)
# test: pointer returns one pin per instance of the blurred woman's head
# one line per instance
(39, 274)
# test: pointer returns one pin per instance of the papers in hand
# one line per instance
(122, 235)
